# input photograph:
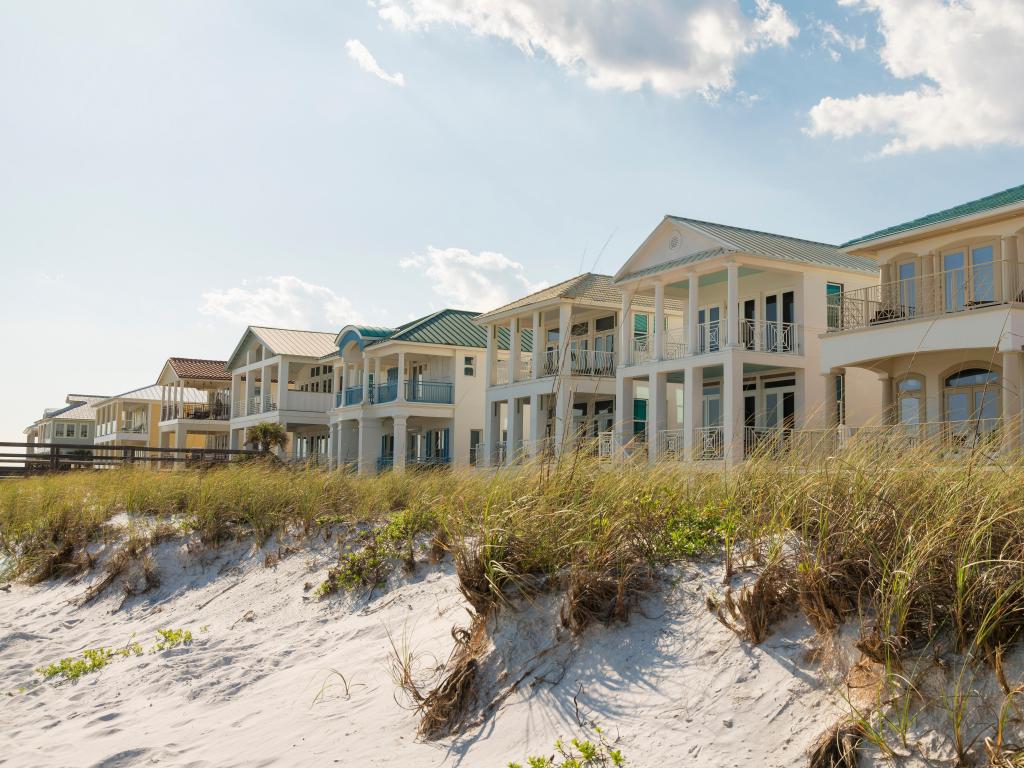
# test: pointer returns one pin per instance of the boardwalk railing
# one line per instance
(15, 458)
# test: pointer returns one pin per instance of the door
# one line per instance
(954, 281)
(779, 322)
(907, 289)
(780, 404)
(709, 327)
(971, 399)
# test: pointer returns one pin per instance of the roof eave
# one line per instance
(915, 233)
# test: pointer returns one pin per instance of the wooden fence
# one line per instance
(59, 457)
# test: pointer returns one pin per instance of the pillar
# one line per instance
(514, 447)
(401, 439)
(692, 304)
(492, 429)
(401, 377)
(538, 346)
(623, 411)
(537, 419)
(490, 355)
(732, 410)
(514, 349)
(732, 306)
(366, 386)
(1011, 393)
(369, 445)
(1011, 271)
(625, 328)
(659, 321)
(657, 415)
(693, 408)
(564, 329)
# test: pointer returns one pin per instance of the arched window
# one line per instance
(972, 394)
(910, 400)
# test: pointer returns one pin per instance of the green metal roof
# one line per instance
(981, 205)
(453, 327)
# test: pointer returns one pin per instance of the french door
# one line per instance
(709, 323)
(779, 317)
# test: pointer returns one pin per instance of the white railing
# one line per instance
(550, 363)
(708, 443)
(941, 293)
(675, 344)
(711, 337)
(965, 435)
(642, 348)
(501, 372)
(590, 362)
(769, 336)
(606, 444)
(312, 402)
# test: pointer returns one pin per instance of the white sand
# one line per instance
(673, 685)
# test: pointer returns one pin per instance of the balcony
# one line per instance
(501, 373)
(582, 362)
(352, 396)
(385, 393)
(951, 292)
(217, 411)
(420, 391)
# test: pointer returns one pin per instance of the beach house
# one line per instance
(561, 390)
(943, 327)
(740, 365)
(187, 423)
(278, 376)
(71, 424)
(412, 395)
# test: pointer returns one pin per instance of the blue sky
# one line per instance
(173, 170)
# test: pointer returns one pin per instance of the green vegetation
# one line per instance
(95, 659)
(579, 753)
(266, 436)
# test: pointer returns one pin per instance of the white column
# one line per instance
(626, 328)
(369, 445)
(336, 379)
(265, 377)
(401, 438)
(538, 344)
(181, 399)
(514, 349)
(1011, 272)
(564, 329)
(1011, 389)
(492, 431)
(693, 408)
(657, 415)
(401, 377)
(537, 419)
(732, 410)
(490, 355)
(282, 384)
(514, 448)
(732, 310)
(250, 390)
(233, 439)
(659, 321)
(623, 411)
(180, 437)
(366, 385)
(692, 302)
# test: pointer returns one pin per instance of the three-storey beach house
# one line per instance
(269, 368)
(413, 395)
(943, 328)
(744, 353)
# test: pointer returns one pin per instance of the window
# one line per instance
(841, 398)
(469, 367)
(968, 277)
(605, 323)
(579, 329)
(59, 431)
(834, 304)
(83, 430)
(640, 325)
(910, 401)
(328, 385)
(906, 273)
(475, 438)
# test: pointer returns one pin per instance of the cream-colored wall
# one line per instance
(950, 238)
(469, 394)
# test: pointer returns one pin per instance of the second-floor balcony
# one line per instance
(578, 362)
(216, 411)
(294, 400)
(416, 391)
(713, 336)
(951, 292)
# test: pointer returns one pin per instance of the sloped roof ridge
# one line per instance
(753, 231)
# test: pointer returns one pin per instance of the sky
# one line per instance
(173, 170)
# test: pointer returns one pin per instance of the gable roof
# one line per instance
(287, 341)
(589, 287)
(196, 368)
(452, 327)
(765, 244)
(1012, 196)
(77, 409)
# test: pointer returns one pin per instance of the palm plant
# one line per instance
(267, 437)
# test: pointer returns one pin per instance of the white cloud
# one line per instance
(366, 61)
(465, 280)
(966, 56)
(832, 40)
(283, 302)
(672, 46)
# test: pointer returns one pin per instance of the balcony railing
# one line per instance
(139, 427)
(708, 443)
(218, 411)
(711, 336)
(942, 293)
(642, 349)
(385, 393)
(591, 362)
(353, 395)
(501, 372)
(769, 336)
(420, 391)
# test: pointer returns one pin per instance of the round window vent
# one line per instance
(676, 240)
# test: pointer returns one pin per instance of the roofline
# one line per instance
(618, 276)
(914, 233)
(504, 310)
(249, 329)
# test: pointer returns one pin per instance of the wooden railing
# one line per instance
(33, 458)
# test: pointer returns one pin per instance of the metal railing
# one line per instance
(606, 444)
(642, 347)
(711, 337)
(708, 443)
(353, 395)
(420, 391)
(769, 336)
(385, 393)
(591, 362)
(941, 293)
(549, 364)
(217, 410)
